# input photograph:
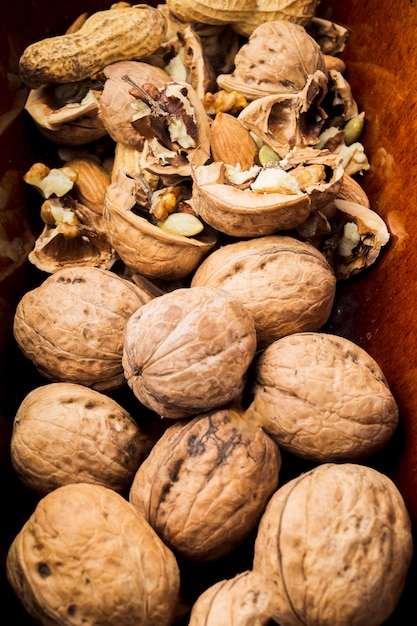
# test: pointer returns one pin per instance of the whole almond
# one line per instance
(231, 142)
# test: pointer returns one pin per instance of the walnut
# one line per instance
(278, 57)
(71, 325)
(188, 351)
(142, 244)
(337, 542)
(206, 482)
(66, 433)
(287, 285)
(323, 398)
(87, 556)
(244, 600)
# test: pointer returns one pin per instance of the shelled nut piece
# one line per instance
(86, 554)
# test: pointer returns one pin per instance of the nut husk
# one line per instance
(71, 325)
(205, 483)
(68, 433)
(144, 246)
(323, 398)
(84, 555)
(188, 351)
(340, 533)
(278, 58)
(287, 285)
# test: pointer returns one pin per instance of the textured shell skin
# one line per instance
(106, 37)
(206, 482)
(144, 246)
(286, 285)
(68, 433)
(278, 58)
(87, 556)
(244, 15)
(116, 101)
(244, 600)
(188, 351)
(341, 533)
(323, 398)
(71, 325)
(241, 212)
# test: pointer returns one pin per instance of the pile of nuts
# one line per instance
(204, 209)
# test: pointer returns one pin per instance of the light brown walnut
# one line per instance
(206, 482)
(68, 433)
(337, 543)
(86, 556)
(188, 351)
(287, 285)
(71, 325)
(323, 398)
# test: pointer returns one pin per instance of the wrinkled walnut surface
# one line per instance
(66, 433)
(287, 285)
(188, 351)
(71, 325)
(206, 482)
(86, 556)
(337, 542)
(323, 398)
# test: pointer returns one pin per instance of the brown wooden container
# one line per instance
(376, 309)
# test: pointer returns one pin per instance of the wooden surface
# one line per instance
(377, 309)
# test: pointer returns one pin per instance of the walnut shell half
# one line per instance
(337, 543)
(71, 325)
(188, 351)
(206, 482)
(287, 285)
(68, 433)
(323, 398)
(87, 556)
(144, 246)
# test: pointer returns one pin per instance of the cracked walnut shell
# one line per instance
(68, 433)
(323, 398)
(188, 351)
(71, 325)
(87, 556)
(206, 482)
(337, 543)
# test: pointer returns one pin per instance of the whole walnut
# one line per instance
(323, 398)
(86, 556)
(71, 325)
(337, 543)
(244, 600)
(287, 285)
(68, 433)
(206, 482)
(188, 351)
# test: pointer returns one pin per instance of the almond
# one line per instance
(232, 143)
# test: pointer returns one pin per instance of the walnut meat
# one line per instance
(66, 433)
(337, 543)
(287, 285)
(86, 556)
(206, 482)
(323, 398)
(71, 325)
(188, 351)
